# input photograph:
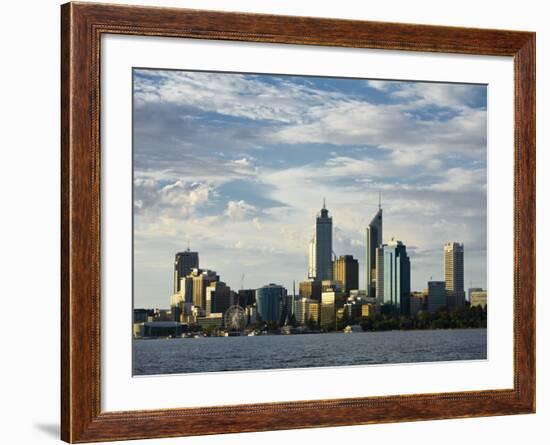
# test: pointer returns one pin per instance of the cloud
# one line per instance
(238, 210)
(238, 165)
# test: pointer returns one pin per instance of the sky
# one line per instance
(237, 165)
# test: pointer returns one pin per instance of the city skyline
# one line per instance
(227, 163)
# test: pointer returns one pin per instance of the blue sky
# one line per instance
(238, 166)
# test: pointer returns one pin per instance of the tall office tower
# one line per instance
(346, 270)
(373, 240)
(310, 289)
(454, 274)
(183, 264)
(323, 245)
(380, 274)
(397, 277)
(201, 279)
(311, 265)
(331, 301)
(218, 297)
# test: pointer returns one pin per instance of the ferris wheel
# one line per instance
(234, 318)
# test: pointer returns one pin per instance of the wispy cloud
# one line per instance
(239, 165)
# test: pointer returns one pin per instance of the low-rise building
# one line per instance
(369, 309)
(159, 329)
(478, 298)
(214, 320)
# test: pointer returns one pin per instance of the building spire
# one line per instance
(324, 203)
(379, 200)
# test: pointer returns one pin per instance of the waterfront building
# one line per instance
(218, 297)
(353, 310)
(212, 320)
(184, 263)
(251, 314)
(331, 302)
(323, 245)
(417, 303)
(245, 297)
(310, 289)
(397, 277)
(479, 298)
(314, 311)
(346, 270)
(437, 297)
(162, 315)
(369, 309)
(454, 274)
(142, 315)
(159, 329)
(302, 310)
(269, 302)
(473, 289)
(372, 241)
(175, 306)
(201, 279)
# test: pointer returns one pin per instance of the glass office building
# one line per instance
(397, 277)
(270, 300)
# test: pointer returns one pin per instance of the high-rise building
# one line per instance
(323, 245)
(373, 240)
(310, 289)
(311, 264)
(346, 270)
(332, 300)
(246, 297)
(201, 279)
(436, 295)
(218, 297)
(302, 310)
(183, 264)
(454, 273)
(270, 300)
(379, 274)
(397, 277)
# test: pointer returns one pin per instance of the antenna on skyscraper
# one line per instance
(324, 204)
(242, 281)
(188, 249)
(379, 200)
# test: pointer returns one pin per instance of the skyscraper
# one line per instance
(201, 279)
(397, 276)
(454, 273)
(311, 265)
(183, 264)
(373, 240)
(346, 270)
(379, 273)
(323, 245)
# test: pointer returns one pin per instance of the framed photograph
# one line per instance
(274, 222)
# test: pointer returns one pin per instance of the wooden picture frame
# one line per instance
(82, 25)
